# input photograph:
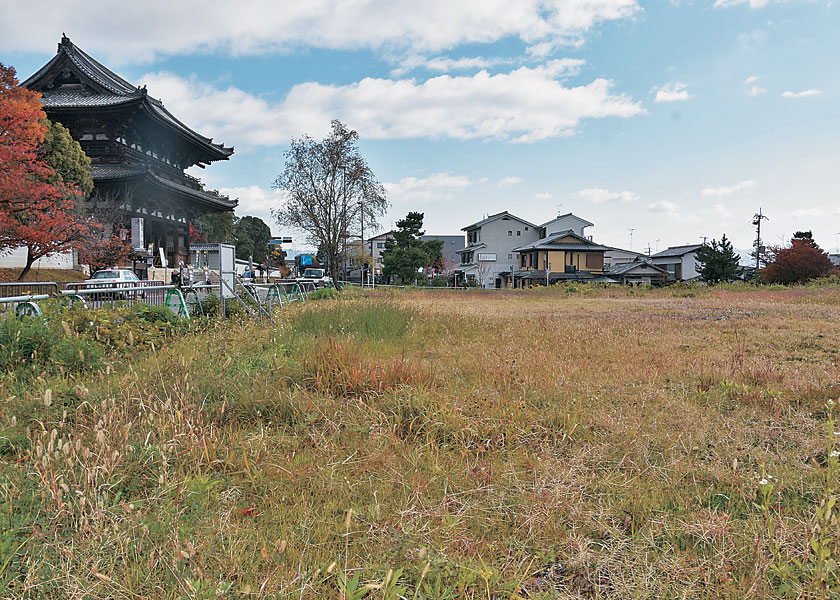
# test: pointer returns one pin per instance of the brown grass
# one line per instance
(496, 445)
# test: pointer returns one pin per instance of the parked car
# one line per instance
(318, 276)
(112, 278)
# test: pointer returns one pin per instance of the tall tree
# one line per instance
(801, 261)
(110, 241)
(216, 226)
(406, 254)
(24, 178)
(251, 236)
(41, 207)
(718, 261)
(330, 192)
(64, 154)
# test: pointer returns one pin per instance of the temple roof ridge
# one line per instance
(115, 87)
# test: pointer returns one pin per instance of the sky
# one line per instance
(663, 123)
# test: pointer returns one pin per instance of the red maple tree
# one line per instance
(802, 261)
(104, 251)
(38, 211)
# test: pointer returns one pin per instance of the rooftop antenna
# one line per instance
(657, 244)
(648, 249)
(631, 230)
(558, 208)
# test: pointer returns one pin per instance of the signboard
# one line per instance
(280, 240)
(137, 240)
(306, 260)
(487, 256)
(163, 262)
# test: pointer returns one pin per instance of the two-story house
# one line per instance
(679, 261)
(489, 256)
(375, 248)
(561, 256)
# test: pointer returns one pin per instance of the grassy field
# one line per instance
(563, 443)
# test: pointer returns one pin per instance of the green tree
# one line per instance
(66, 157)
(251, 236)
(718, 261)
(330, 192)
(216, 226)
(406, 254)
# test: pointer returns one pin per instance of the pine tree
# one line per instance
(718, 261)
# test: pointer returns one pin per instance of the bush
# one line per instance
(76, 354)
(325, 293)
(23, 341)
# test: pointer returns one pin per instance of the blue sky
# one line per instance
(676, 119)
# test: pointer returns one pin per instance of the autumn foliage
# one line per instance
(802, 261)
(39, 208)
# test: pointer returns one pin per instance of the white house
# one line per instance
(679, 261)
(489, 252)
(567, 222)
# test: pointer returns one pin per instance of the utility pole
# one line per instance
(631, 230)
(757, 218)
(364, 258)
(704, 238)
(648, 249)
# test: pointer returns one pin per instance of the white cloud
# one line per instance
(813, 212)
(600, 196)
(802, 94)
(255, 201)
(438, 187)
(664, 206)
(672, 92)
(750, 87)
(727, 190)
(722, 212)
(672, 211)
(524, 105)
(509, 181)
(263, 26)
(751, 3)
(543, 196)
(445, 64)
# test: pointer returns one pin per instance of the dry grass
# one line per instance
(57, 275)
(552, 444)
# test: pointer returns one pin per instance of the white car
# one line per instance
(111, 276)
(318, 276)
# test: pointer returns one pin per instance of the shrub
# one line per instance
(76, 354)
(325, 293)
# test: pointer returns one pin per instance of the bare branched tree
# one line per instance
(331, 193)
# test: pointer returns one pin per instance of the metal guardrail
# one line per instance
(98, 295)
(182, 301)
(22, 288)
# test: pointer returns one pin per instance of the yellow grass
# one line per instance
(554, 444)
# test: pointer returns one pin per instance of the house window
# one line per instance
(522, 261)
(380, 244)
(526, 229)
(510, 233)
(518, 232)
(510, 256)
